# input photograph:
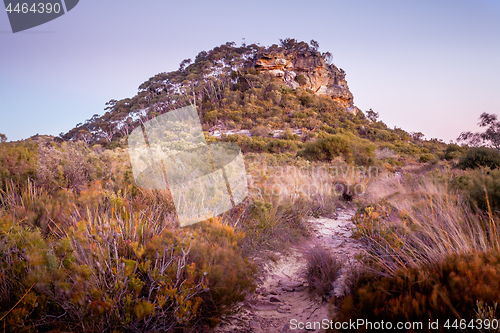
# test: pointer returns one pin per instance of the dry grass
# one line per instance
(322, 270)
(418, 221)
(283, 196)
(320, 184)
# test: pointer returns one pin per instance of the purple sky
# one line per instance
(424, 65)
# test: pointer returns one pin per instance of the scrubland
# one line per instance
(84, 249)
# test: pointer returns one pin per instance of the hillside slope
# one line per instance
(224, 84)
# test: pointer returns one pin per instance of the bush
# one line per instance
(260, 130)
(353, 149)
(424, 158)
(96, 279)
(479, 183)
(322, 270)
(17, 162)
(301, 79)
(326, 149)
(479, 157)
(453, 151)
(447, 290)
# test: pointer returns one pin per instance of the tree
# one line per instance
(417, 136)
(314, 45)
(489, 138)
(85, 135)
(288, 43)
(3, 138)
(372, 115)
(328, 57)
(184, 64)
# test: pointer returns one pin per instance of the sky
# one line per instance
(424, 65)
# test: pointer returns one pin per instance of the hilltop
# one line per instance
(224, 84)
(275, 99)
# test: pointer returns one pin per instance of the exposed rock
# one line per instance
(291, 286)
(317, 75)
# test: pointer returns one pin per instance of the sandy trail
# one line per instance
(282, 295)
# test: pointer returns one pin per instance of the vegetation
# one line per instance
(490, 137)
(480, 157)
(84, 249)
(322, 271)
(449, 290)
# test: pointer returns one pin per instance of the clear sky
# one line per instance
(425, 65)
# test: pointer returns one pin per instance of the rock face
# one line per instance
(310, 71)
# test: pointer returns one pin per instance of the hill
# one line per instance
(267, 99)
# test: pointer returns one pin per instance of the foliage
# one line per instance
(453, 151)
(447, 290)
(18, 161)
(84, 250)
(491, 137)
(482, 186)
(421, 223)
(125, 275)
(353, 149)
(427, 157)
(480, 157)
(322, 270)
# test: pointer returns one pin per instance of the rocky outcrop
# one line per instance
(310, 71)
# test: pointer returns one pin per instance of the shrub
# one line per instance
(326, 149)
(17, 162)
(446, 290)
(274, 226)
(479, 157)
(301, 79)
(421, 223)
(482, 186)
(144, 278)
(322, 270)
(427, 157)
(229, 276)
(353, 149)
(453, 151)
(260, 130)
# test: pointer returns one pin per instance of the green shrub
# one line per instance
(453, 151)
(128, 273)
(353, 149)
(18, 161)
(427, 157)
(479, 157)
(447, 290)
(326, 149)
(301, 79)
(480, 184)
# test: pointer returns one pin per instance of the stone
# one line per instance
(265, 306)
(291, 285)
(320, 77)
(280, 310)
(253, 324)
(274, 299)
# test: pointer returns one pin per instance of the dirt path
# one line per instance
(282, 295)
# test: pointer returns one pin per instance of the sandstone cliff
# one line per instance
(310, 71)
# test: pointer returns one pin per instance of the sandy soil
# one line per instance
(282, 293)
